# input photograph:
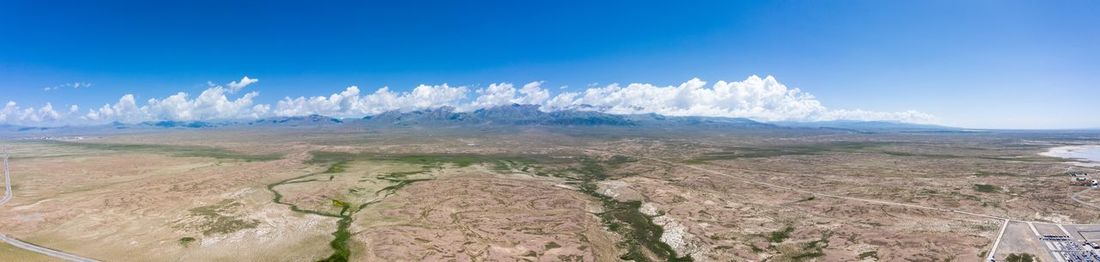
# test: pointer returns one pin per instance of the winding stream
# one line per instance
(340, 250)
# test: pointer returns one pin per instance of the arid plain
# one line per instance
(534, 194)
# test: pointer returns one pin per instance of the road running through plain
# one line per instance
(1079, 201)
(24, 245)
(997, 243)
(7, 181)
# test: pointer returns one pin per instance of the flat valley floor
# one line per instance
(543, 194)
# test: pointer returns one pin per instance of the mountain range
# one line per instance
(512, 115)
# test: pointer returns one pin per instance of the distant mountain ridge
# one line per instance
(867, 125)
(310, 120)
(514, 114)
(510, 115)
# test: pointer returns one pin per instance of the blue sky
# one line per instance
(989, 64)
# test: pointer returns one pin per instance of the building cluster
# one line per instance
(1078, 178)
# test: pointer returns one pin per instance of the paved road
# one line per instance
(7, 182)
(996, 243)
(1075, 199)
(44, 251)
(24, 245)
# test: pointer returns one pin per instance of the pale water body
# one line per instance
(1087, 155)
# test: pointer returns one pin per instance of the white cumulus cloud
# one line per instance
(764, 99)
(350, 103)
(343, 103)
(212, 103)
(12, 113)
(125, 110)
(756, 98)
(238, 85)
(506, 94)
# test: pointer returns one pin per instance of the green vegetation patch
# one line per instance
(996, 158)
(619, 160)
(1023, 257)
(342, 205)
(638, 230)
(764, 152)
(779, 235)
(812, 249)
(217, 218)
(755, 249)
(985, 188)
(804, 251)
(186, 241)
(925, 155)
(340, 250)
(868, 254)
(428, 160)
(988, 174)
(338, 167)
(399, 175)
(398, 184)
(278, 198)
(551, 245)
(337, 164)
(625, 218)
(175, 150)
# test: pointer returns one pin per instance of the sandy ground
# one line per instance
(11, 253)
(483, 217)
(141, 205)
(67, 202)
(727, 219)
(1020, 239)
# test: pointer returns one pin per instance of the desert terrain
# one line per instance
(538, 194)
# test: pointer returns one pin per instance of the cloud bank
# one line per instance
(764, 99)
